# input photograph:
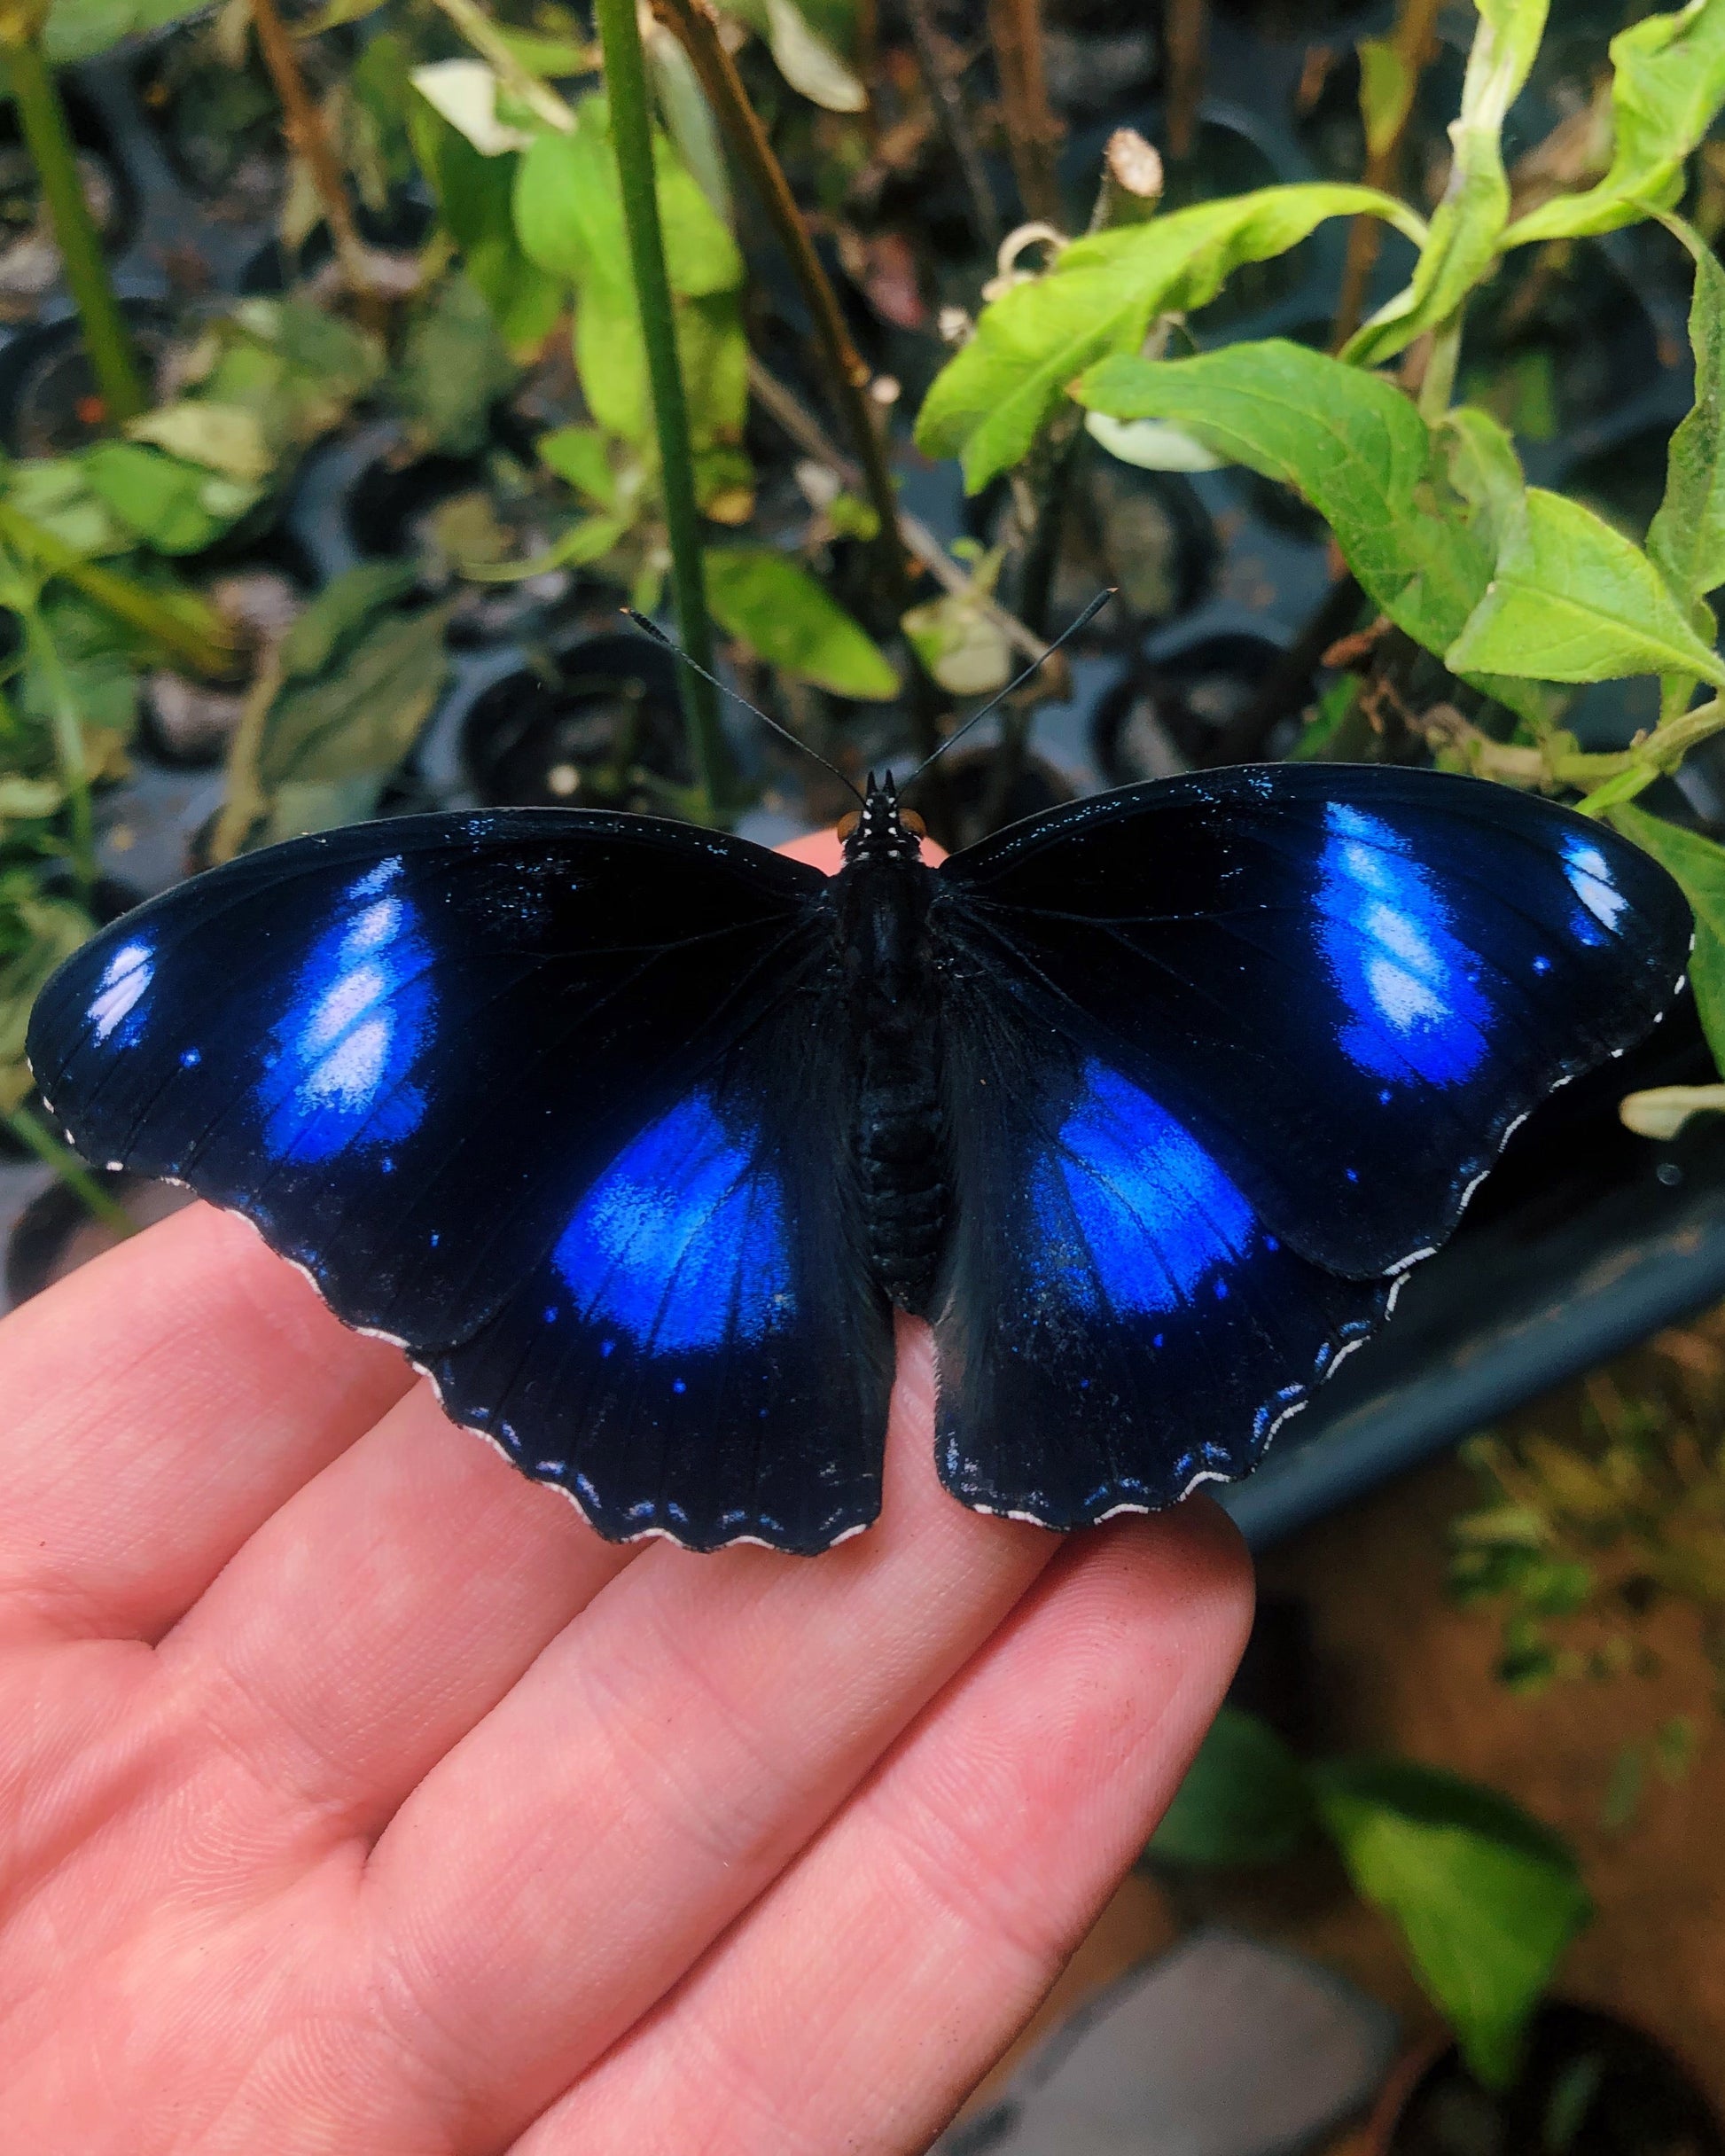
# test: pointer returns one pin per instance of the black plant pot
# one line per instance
(605, 730)
(1591, 2085)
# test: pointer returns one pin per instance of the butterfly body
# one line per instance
(881, 899)
(632, 1134)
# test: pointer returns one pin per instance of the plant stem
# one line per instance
(955, 123)
(1186, 43)
(204, 647)
(108, 335)
(68, 747)
(1439, 383)
(1015, 27)
(846, 371)
(246, 802)
(1415, 40)
(843, 366)
(631, 136)
(1035, 596)
(303, 125)
(31, 1131)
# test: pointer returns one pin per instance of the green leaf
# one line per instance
(37, 934)
(1349, 441)
(1486, 1899)
(569, 214)
(1571, 599)
(963, 649)
(179, 508)
(1152, 445)
(80, 29)
(223, 437)
(1699, 866)
(358, 719)
(1244, 1800)
(766, 602)
(1387, 91)
(54, 493)
(464, 93)
(1686, 539)
(992, 398)
(1467, 225)
(579, 455)
(343, 607)
(803, 56)
(454, 368)
(1669, 81)
(687, 117)
(475, 197)
(552, 59)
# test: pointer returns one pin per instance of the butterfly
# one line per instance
(632, 1134)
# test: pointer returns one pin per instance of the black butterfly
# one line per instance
(631, 1132)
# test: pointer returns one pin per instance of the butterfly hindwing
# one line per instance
(1349, 982)
(1115, 1321)
(702, 1335)
(514, 1089)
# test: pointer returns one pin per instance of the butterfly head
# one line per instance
(880, 830)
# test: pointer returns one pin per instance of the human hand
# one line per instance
(355, 1797)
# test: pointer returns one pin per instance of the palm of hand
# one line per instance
(354, 1796)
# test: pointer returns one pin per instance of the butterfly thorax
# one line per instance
(898, 1132)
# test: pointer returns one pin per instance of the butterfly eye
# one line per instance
(913, 823)
(848, 824)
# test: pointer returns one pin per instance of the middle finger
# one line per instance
(662, 1761)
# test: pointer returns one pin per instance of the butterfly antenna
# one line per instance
(653, 629)
(1012, 687)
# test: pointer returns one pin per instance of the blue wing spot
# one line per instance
(1590, 875)
(678, 1385)
(124, 979)
(1271, 1243)
(1131, 1212)
(1404, 981)
(359, 1016)
(1353, 1174)
(191, 1058)
(435, 1239)
(550, 1313)
(1541, 965)
(1384, 1096)
(1222, 1291)
(682, 1242)
(1158, 1341)
(607, 1347)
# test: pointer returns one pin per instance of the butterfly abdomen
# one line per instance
(899, 1131)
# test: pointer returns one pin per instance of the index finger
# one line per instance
(162, 1403)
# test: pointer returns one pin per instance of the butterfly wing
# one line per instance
(1224, 1055)
(552, 1097)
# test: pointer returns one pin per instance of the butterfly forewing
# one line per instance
(1348, 982)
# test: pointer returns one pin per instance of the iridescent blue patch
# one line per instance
(360, 1015)
(1589, 876)
(1407, 1002)
(1131, 1212)
(681, 1243)
(115, 1017)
